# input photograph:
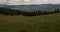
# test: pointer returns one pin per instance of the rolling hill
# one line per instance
(41, 23)
(29, 8)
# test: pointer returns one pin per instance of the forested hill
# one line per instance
(7, 11)
(14, 12)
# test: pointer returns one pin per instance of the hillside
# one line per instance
(42, 23)
(29, 8)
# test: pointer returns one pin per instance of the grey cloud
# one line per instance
(21, 2)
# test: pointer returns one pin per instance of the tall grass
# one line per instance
(43, 23)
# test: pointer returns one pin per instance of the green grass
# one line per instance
(43, 23)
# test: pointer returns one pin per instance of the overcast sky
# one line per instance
(22, 2)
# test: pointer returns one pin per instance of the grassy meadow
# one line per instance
(42, 23)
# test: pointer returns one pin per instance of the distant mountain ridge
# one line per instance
(41, 7)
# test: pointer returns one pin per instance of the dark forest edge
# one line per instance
(14, 12)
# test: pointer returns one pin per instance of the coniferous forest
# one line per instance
(14, 12)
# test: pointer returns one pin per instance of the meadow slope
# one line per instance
(42, 23)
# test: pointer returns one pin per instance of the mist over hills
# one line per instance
(29, 8)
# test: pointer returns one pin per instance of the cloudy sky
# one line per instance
(22, 2)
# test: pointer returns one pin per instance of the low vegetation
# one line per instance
(42, 23)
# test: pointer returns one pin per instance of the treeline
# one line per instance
(13, 12)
